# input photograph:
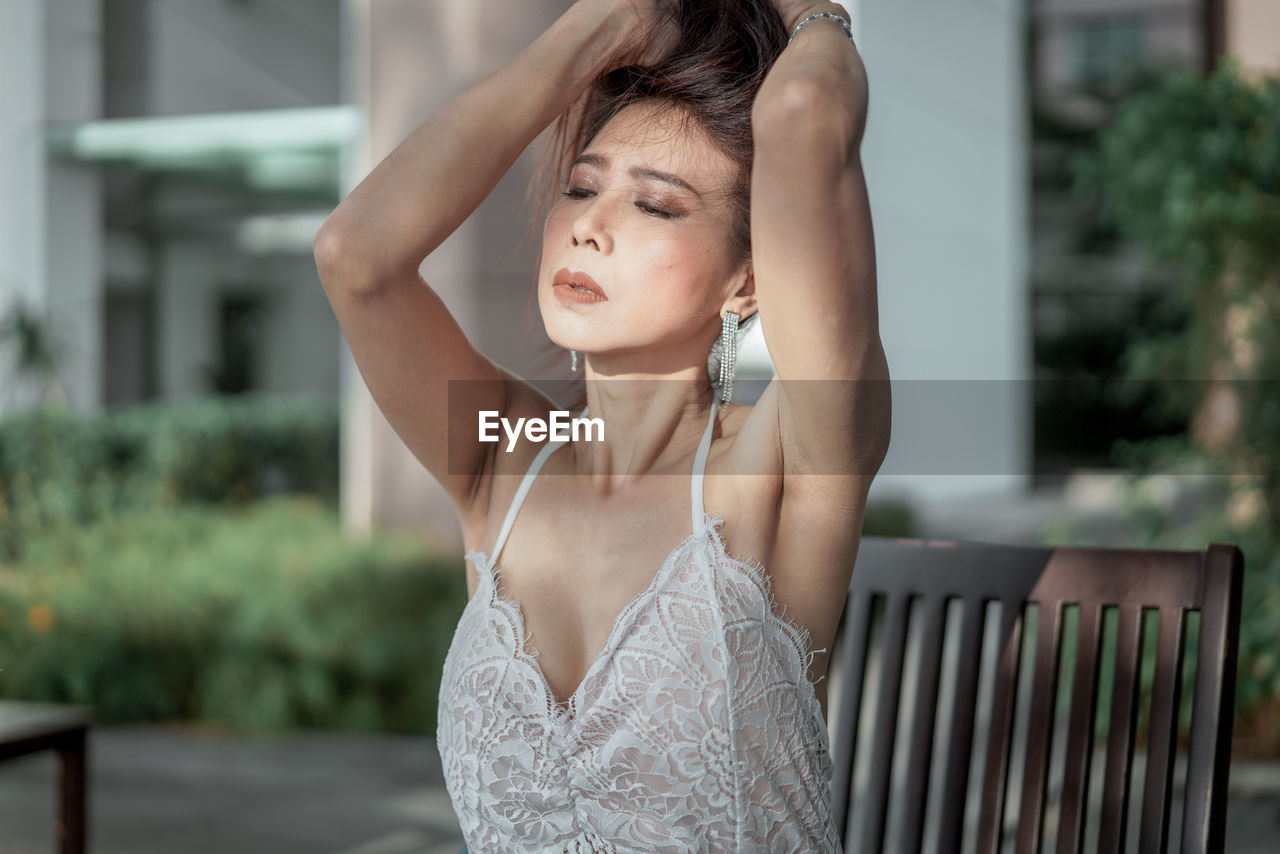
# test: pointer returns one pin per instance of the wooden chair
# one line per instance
(937, 589)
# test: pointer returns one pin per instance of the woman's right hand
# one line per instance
(653, 31)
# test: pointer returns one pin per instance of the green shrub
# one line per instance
(1258, 668)
(1150, 524)
(889, 518)
(260, 618)
(1189, 172)
(58, 469)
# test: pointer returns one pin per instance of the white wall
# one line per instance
(299, 332)
(301, 357)
(945, 155)
(210, 57)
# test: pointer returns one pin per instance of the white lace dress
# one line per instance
(696, 728)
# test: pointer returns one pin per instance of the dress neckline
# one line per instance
(566, 711)
(563, 714)
(702, 522)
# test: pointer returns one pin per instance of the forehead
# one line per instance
(664, 137)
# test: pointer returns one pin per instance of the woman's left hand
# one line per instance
(793, 10)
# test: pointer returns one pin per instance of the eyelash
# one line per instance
(576, 193)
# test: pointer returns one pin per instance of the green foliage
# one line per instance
(1258, 674)
(889, 518)
(1190, 171)
(58, 470)
(36, 355)
(261, 618)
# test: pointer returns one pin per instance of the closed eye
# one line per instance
(580, 193)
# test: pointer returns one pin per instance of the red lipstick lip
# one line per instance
(582, 280)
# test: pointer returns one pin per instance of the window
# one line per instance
(240, 343)
(1107, 51)
(129, 370)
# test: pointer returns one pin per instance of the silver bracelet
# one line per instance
(833, 16)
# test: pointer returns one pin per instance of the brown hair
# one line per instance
(726, 48)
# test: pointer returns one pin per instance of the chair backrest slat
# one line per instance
(1204, 818)
(963, 710)
(897, 607)
(1000, 734)
(1080, 726)
(1044, 690)
(915, 793)
(1113, 826)
(855, 630)
(918, 580)
(1162, 739)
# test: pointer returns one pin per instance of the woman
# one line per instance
(713, 176)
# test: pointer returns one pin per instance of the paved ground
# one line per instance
(178, 790)
(182, 790)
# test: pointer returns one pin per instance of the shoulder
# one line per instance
(497, 484)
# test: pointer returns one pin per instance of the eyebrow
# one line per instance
(639, 172)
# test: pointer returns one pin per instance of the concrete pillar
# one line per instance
(50, 217)
(406, 59)
(1253, 34)
(22, 169)
(73, 215)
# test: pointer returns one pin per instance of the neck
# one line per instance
(651, 426)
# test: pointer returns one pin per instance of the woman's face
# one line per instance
(646, 215)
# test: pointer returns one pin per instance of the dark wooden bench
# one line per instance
(933, 586)
(27, 728)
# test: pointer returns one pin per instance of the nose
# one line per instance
(591, 226)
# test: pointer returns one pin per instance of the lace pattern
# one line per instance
(696, 728)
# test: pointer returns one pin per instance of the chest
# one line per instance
(573, 567)
(574, 570)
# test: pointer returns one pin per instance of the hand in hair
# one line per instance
(793, 10)
(654, 31)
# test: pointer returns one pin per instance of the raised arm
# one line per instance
(405, 343)
(813, 258)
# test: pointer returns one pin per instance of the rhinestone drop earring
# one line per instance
(728, 357)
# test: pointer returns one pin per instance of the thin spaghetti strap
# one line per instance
(700, 464)
(525, 485)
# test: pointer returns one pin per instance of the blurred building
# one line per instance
(1091, 45)
(166, 165)
(168, 161)
(1089, 289)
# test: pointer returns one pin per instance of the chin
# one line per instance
(558, 335)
